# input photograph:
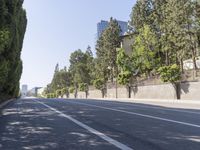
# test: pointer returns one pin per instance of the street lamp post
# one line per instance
(116, 85)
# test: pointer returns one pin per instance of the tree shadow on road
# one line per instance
(140, 131)
(27, 125)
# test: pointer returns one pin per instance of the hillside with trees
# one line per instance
(165, 33)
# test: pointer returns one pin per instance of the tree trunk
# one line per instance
(102, 92)
(193, 50)
(67, 94)
(177, 88)
(86, 94)
(181, 63)
(167, 58)
(75, 94)
(194, 58)
(128, 88)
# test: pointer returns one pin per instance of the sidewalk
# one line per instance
(182, 104)
(153, 100)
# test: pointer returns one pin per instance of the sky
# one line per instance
(57, 28)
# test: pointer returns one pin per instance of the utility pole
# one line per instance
(116, 84)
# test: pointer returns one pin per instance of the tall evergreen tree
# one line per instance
(107, 47)
(12, 29)
(106, 50)
(141, 14)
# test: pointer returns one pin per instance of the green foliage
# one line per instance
(64, 91)
(61, 79)
(4, 40)
(107, 44)
(83, 87)
(142, 14)
(12, 29)
(125, 66)
(124, 77)
(58, 93)
(144, 50)
(4, 69)
(81, 66)
(71, 90)
(170, 74)
(99, 84)
(80, 71)
(166, 33)
(51, 95)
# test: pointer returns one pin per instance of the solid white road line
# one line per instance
(169, 109)
(101, 135)
(158, 107)
(138, 114)
(5, 103)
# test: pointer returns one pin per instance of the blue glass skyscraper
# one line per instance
(101, 26)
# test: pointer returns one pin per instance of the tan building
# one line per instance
(127, 42)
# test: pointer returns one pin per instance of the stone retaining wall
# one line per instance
(189, 90)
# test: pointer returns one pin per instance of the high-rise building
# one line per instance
(24, 90)
(101, 26)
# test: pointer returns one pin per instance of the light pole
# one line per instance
(116, 85)
(116, 78)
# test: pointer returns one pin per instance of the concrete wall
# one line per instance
(121, 93)
(163, 91)
(189, 90)
(95, 94)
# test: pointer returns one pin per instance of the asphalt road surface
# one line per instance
(56, 124)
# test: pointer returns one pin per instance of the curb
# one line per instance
(5, 103)
(170, 101)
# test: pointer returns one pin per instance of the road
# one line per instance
(56, 124)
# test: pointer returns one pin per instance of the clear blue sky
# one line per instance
(58, 27)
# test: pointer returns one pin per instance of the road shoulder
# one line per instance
(3, 104)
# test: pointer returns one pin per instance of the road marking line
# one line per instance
(142, 115)
(101, 135)
(5, 103)
(170, 109)
(157, 107)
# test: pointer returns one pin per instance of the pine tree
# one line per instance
(108, 44)
(141, 14)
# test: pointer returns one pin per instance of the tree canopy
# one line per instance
(12, 29)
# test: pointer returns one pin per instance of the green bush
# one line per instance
(170, 74)
(98, 83)
(71, 90)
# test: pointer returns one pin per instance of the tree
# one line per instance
(79, 67)
(141, 14)
(171, 74)
(145, 50)
(100, 85)
(111, 42)
(84, 88)
(106, 50)
(174, 21)
(126, 70)
(12, 29)
(57, 68)
(90, 64)
(82, 69)
(61, 79)
(101, 66)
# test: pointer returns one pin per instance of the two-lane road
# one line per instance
(55, 124)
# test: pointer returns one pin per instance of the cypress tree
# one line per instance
(12, 29)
